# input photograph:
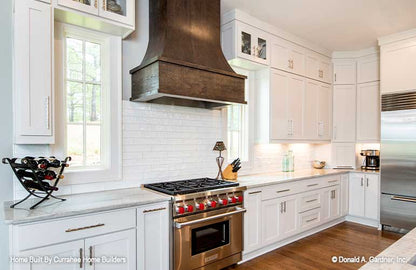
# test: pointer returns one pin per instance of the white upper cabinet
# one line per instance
(344, 71)
(318, 67)
(344, 122)
(287, 56)
(286, 105)
(368, 69)
(33, 74)
(398, 66)
(121, 11)
(87, 6)
(368, 112)
(317, 111)
(343, 154)
(242, 42)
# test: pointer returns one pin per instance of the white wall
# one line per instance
(6, 186)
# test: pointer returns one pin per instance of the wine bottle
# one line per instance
(40, 175)
(33, 185)
(45, 163)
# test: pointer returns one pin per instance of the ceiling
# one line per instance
(338, 25)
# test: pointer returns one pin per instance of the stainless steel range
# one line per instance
(207, 222)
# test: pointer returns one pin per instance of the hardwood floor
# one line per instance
(315, 252)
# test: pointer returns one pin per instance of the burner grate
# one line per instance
(190, 186)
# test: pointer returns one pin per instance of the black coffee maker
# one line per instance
(371, 159)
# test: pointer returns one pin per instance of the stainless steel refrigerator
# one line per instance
(398, 161)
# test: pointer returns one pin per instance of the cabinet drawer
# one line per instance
(280, 190)
(331, 181)
(68, 229)
(312, 184)
(309, 219)
(309, 201)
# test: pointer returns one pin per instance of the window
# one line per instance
(88, 111)
(238, 127)
(83, 102)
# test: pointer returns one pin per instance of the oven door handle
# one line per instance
(182, 224)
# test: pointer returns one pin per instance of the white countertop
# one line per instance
(397, 255)
(265, 179)
(80, 204)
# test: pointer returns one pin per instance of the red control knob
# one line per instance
(212, 204)
(200, 206)
(224, 202)
(233, 199)
(190, 208)
(240, 198)
(180, 210)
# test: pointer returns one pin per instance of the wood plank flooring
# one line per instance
(316, 251)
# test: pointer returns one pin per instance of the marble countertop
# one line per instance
(79, 204)
(398, 256)
(265, 179)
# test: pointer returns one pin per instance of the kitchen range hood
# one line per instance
(184, 64)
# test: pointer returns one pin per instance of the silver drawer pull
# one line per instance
(154, 210)
(311, 200)
(312, 185)
(310, 220)
(284, 190)
(254, 192)
(332, 181)
(179, 225)
(403, 199)
(85, 228)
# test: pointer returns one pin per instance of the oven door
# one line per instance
(208, 238)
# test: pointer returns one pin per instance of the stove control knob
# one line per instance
(212, 204)
(240, 198)
(180, 210)
(200, 206)
(223, 201)
(232, 199)
(189, 208)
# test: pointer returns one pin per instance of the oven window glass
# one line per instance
(210, 237)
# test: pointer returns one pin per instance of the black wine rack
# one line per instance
(38, 176)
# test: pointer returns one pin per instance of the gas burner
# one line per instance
(190, 186)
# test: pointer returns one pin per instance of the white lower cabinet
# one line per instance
(281, 211)
(153, 237)
(115, 251)
(364, 196)
(344, 194)
(252, 219)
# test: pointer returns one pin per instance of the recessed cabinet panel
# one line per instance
(324, 111)
(288, 56)
(252, 219)
(368, 69)
(33, 75)
(356, 191)
(344, 71)
(368, 112)
(372, 196)
(344, 105)
(311, 123)
(270, 221)
(318, 67)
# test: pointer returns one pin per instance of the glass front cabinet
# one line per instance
(121, 11)
(252, 44)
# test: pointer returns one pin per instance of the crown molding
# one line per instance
(397, 37)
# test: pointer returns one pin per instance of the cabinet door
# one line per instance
(287, 56)
(368, 112)
(297, 57)
(344, 72)
(153, 237)
(398, 66)
(368, 69)
(122, 11)
(344, 194)
(356, 195)
(261, 52)
(324, 71)
(288, 225)
(324, 111)
(74, 249)
(286, 101)
(252, 220)
(245, 42)
(311, 123)
(33, 97)
(271, 210)
(372, 196)
(100, 250)
(87, 6)
(343, 154)
(312, 65)
(335, 202)
(344, 113)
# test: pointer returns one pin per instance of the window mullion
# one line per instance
(84, 103)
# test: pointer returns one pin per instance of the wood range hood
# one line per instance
(184, 64)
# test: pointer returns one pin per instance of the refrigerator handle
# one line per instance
(403, 199)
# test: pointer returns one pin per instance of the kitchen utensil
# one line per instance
(317, 164)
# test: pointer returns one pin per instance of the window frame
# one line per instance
(111, 77)
(249, 119)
